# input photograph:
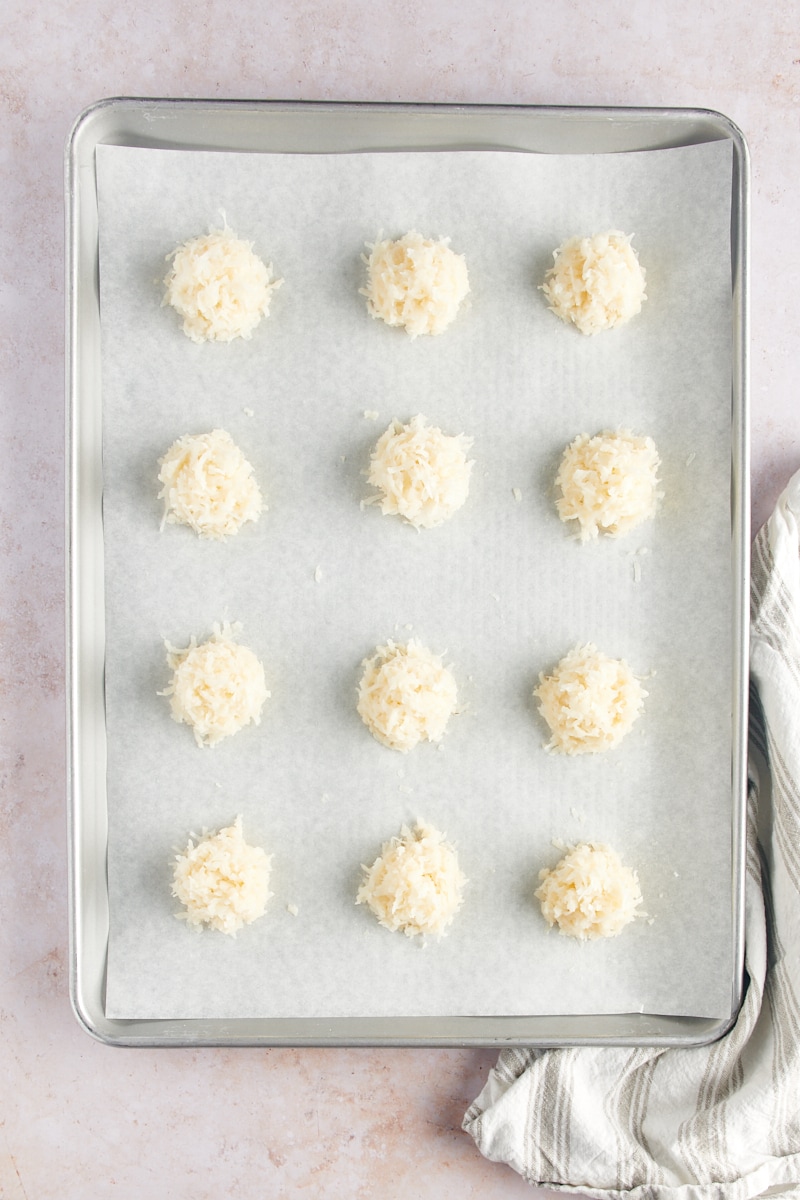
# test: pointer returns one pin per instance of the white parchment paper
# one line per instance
(503, 589)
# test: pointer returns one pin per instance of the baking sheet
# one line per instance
(503, 588)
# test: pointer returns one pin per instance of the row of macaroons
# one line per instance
(608, 483)
(406, 694)
(415, 886)
(221, 289)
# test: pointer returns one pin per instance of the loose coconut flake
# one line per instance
(590, 702)
(595, 283)
(221, 881)
(219, 286)
(415, 283)
(217, 687)
(208, 484)
(422, 474)
(406, 695)
(416, 885)
(589, 893)
(609, 483)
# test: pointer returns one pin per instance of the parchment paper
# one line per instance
(503, 589)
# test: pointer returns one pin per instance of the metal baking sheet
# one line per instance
(296, 127)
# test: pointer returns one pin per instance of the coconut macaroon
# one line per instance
(421, 473)
(219, 286)
(416, 283)
(590, 702)
(217, 687)
(609, 483)
(415, 885)
(589, 893)
(208, 484)
(595, 283)
(406, 695)
(221, 881)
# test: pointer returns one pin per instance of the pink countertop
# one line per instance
(79, 1119)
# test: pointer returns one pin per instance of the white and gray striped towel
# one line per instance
(719, 1122)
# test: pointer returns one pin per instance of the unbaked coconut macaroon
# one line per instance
(219, 286)
(595, 283)
(609, 483)
(421, 473)
(208, 484)
(406, 695)
(415, 283)
(590, 702)
(415, 886)
(589, 893)
(221, 881)
(217, 687)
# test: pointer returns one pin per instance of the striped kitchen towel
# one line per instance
(718, 1122)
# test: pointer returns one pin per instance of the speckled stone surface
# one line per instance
(78, 1119)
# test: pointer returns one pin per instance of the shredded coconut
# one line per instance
(406, 695)
(217, 687)
(415, 885)
(609, 483)
(219, 286)
(222, 882)
(589, 894)
(208, 484)
(422, 474)
(595, 282)
(416, 283)
(590, 701)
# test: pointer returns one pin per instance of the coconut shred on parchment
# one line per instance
(504, 590)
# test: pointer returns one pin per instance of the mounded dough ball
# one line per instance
(208, 484)
(421, 473)
(406, 695)
(415, 885)
(595, 283)
(609, 483)
(221, 881)
(217, 687)
(589, 893)
(219, 286)
(416, 283)
(589, 702)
